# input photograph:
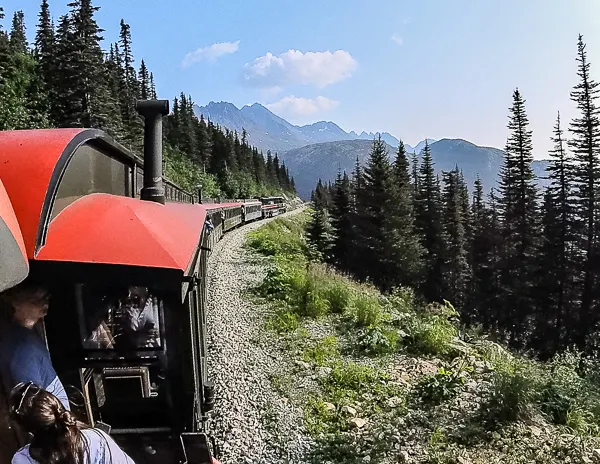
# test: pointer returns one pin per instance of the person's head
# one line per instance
(138, 295)
(56, 432)
(28, 303)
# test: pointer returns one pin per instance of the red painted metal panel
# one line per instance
(27, 161)
(109, 229)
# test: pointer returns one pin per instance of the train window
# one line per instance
(139, 179)
(119, 318)
(91, 171)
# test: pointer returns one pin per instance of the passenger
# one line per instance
(141, 318)
(56, 436)
(209, 225)
(23, 354)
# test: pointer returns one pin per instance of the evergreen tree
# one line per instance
(318, 233)
(360, 250)
(18, 39)
(456, 272)
(482, 301)
(144, 85)
(152, 87)
(80, 82)
(404, 246)
(556, 261)
(129, 94)
(585, 145)
(429, 226)
(45, 50)
(519, 221)
(341, 220)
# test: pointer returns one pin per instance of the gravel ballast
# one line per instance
(251, 422)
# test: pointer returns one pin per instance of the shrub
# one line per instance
(322, 351)
(283, 321)
(373, 340)
(441, 386)
(349, 380)
(279, 237)
(513, 389)
(339, 294)
(367, 310)
(433, 335)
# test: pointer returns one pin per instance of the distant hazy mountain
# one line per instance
(421, 145)
(309, 163)
(268, 131)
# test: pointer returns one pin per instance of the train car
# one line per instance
(272, 206)
(251, 210)
(101, 251)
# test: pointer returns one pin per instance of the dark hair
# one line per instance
(57, 437)
(20, 292)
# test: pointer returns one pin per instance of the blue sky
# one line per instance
(435, 68)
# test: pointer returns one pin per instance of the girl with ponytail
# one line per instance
(57, 437)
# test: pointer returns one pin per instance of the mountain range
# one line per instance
(323, 160)
(267, 131)
(319, 150)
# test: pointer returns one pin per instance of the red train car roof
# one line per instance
(32, 163)
(108, 229)
(97, 227)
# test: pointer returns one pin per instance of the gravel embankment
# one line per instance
(252, 423)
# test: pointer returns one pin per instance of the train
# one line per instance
(91, 221)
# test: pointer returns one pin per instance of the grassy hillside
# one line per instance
(386, 379)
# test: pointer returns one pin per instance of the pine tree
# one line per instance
(519, 221)
(144, 86)
(556, 261)
(113, 82)
(483, 288)
(341, 220)
(132, 123)
(585, 145)
(80, 81)
(403, 245)
(456, 272)
(45, 50)
(152, 87)
(318, 233)
(429, 226)
(18, 39)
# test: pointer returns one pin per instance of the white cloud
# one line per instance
(210, 53)
(292, 106)
(396, 38)
(294, 67)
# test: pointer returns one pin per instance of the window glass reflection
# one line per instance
(119, 319)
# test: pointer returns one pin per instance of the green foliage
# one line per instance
(188, 175)
(281, 237)
(444, 384)
(514, 388)
(322, 351)
(338, 293)
(367, 310)
(374, 340)
(349, 380)
(283, 321)
(433, 333)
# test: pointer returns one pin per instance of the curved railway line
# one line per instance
(251, 422)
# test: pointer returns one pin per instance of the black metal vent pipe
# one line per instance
(153, 112)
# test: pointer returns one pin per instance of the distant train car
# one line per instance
(251, 210)
(272, 206)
